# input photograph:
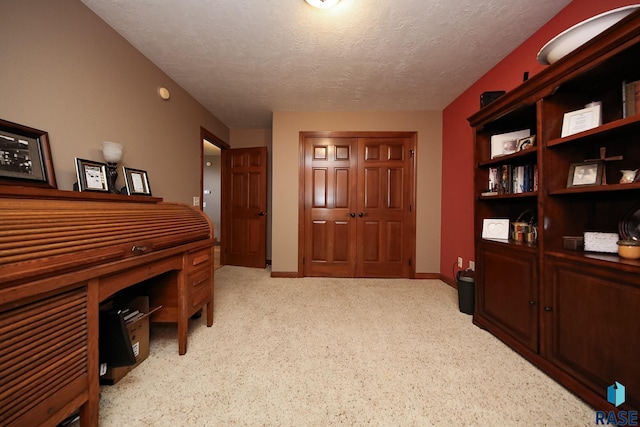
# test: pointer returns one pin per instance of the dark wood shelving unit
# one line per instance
(574, 314)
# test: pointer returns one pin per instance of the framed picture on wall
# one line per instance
(25, 158)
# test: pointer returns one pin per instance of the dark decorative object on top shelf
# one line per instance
(25, 157)
(488, 97)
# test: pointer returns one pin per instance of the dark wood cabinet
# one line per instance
(509, 296)
(575, 314)
(594, 325)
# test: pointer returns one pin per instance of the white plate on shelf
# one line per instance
(574, 37)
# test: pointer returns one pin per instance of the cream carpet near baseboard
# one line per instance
(323, 352)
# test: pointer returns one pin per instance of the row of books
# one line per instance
(508, 179)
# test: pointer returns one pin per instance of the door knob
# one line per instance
(352, 214)
(361, 214)
(262, 213)
(548, 309)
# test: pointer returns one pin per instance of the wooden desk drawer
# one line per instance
(200, 289)
(199, 258)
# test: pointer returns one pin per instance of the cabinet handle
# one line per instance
(548, 309)
(532, 302)
(352, 214)
(262, 214)
(361, 214)
(138, 249)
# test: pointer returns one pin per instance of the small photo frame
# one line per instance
(495, 228)
(589, 173)
(525, 143)
(25, 157)
(581, 120)
(136, 182)
(92, 176)
(506, 143)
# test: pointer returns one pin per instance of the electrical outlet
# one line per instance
(459, 262)
(472, 265)
(196, 201)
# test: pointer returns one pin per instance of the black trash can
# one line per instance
(466, 281)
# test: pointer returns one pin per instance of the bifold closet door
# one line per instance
(384, 207)
(330, 203)
(357, 206)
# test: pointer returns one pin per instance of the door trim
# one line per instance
(354, 134)
(213, 139)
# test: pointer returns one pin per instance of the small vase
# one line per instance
(628, 176)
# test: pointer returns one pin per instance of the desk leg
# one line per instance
(183, 329)
(210, 305)
(183, 317)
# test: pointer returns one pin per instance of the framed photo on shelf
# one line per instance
(581, 120)
(136, 182)
(495, 228)
(25, 157)
(589, 173)
(526, 142)
(506, 143)
(92, 176)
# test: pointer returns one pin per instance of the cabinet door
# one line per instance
(507, 292)
(594, 325)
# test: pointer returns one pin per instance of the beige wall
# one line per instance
(247, 138)
(66, 72)
(286, 129)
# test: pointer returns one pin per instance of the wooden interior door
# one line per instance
(385, 184)
(244, 183)
(330, 205)
(358, 218)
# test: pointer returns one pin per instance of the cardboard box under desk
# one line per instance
(138, 330)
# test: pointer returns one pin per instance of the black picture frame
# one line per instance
(25, 156)
(136, 182)
(585, 174)
(92, 176)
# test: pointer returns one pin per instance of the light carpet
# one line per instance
(322, 352)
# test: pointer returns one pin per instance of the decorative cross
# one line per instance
(604, 159)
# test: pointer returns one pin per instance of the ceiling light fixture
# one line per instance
(322, 4)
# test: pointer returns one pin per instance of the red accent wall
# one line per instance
(457, 137)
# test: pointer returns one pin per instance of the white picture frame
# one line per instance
(581, 120)
(506, 143)
(495, 228)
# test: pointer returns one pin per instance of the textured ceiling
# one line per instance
(244, 59)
